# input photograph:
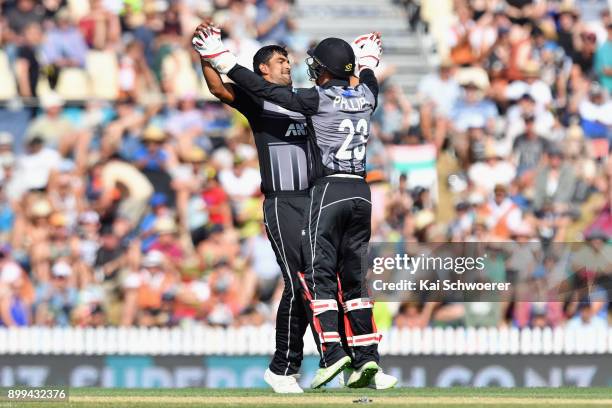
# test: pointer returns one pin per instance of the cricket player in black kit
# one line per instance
(339, 215)
(280, 138)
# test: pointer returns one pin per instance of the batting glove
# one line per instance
(208, 44)
(368, 50)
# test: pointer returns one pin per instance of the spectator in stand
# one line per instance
(499, 171)
(55, 130)
(595, 113)
(528, 148)
(240, 182)
(159, 209)
(586, 320)
(502, 216)
(409, 316)
(167, 242)
(258, 252)
(28, 65)
(145, 290)
(64, 47)
(15, 294)
(186, 125)
(123, 186)
(472, 107)
(24, 13)
(532, 85)
(603, 61)
(135, 77)
(438, 93)
(555, 182)
(56, 299)
(35, 168)
(273, 22)
(394, 115)
(154, 159)
(584, 56)
(100, 27)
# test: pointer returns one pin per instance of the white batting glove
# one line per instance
(368, 50)
(208, 44)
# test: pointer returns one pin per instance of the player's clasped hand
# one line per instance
(368, 50)
(207, 42)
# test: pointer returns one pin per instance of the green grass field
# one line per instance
(412, 397)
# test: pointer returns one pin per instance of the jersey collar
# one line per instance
(336, 82)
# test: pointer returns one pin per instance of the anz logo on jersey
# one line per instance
(296, 129)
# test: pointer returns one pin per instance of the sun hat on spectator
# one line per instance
(549, 30)
(567, 8)
(51, 100)
(165, 225)
(153, 259)
(153, 134)
(195, 155)
(40, 208)
(423, 219)
(10, 272)
(61, 269)
(473, 78)
(531, 69)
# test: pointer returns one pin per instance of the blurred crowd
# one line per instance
(129, 197)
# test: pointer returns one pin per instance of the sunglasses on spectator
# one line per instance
(589, 37)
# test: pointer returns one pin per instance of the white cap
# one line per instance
(10, 272)
(153, 258)
(61, 269)
(51, 100)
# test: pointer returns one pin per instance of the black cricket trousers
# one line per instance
(337, 231)
(283, 213)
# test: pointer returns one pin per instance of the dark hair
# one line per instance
(265, 53)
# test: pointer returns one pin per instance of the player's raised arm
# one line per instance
(224, 92)
(217, 87)
(207, 42)
(368, 50)
(302, 100)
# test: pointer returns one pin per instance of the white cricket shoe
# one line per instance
(283, 384)
(380, 381)
(325, 375)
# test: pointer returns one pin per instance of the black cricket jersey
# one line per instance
(280, 137)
